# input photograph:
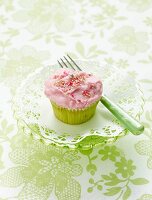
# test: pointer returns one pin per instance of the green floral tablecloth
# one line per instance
(34, 33)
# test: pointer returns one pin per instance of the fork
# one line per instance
(124, 118)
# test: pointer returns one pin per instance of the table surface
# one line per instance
(34, 33)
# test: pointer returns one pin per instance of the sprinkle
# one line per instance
(86, 93)
(60, 83)
(92, 86)
(72, 76)
(65, 73)
(70, 83)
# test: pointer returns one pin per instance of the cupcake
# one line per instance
(73, 95)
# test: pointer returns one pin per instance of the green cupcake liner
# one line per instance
(74, 116)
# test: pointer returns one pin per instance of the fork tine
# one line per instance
(69, 63)
(60, 64)
(64, 63)
(74, 63)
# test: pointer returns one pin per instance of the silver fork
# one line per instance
(124, 118)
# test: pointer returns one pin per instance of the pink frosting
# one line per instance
(73, 89)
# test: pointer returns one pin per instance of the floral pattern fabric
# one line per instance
(34, 33)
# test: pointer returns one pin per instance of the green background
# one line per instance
(34, 33)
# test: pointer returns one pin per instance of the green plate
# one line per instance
(33, 110)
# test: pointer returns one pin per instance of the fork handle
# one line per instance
(124, 118)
